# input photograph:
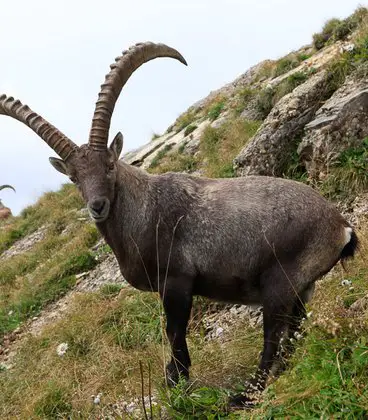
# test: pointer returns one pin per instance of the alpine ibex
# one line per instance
(5, 212)
(251, 240)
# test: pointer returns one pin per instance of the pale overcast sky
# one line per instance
(54, 56)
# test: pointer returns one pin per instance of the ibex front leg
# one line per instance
(177, 303)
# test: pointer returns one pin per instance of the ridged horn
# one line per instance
(7, 186)
(119, 74)
(50, 134)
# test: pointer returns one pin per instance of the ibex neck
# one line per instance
(129, 212)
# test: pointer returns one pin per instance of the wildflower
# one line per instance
(97, 398)
(346, 282)
(61, 349)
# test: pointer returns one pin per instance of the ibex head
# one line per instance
(93, 166)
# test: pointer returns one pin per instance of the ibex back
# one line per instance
(258, 240)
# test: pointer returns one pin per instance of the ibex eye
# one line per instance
(111, 166)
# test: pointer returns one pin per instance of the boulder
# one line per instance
(339, 124)
(269, 150)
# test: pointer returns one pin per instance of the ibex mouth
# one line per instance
(99, 209)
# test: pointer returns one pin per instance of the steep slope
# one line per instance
(76, 341)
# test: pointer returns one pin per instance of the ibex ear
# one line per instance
(59, 165)
(117, 145)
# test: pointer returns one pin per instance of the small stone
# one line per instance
(81, 275)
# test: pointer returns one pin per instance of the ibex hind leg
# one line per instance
(294, 329)
(278, 313)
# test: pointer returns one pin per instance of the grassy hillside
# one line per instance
(116, 348)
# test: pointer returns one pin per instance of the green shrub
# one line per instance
(284, 65)
(303, 57)
(155, 136)
(319, 41)
(294, 168)
(288, 85)
(265, 102)
(185, 119)
(243, 97)
(215, 110)
(181, 148)
(348, 175)
(189, 129)
(160, 155)
(336, 29)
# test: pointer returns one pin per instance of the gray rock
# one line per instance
(265, 154)
(137, 156)
(339, 124)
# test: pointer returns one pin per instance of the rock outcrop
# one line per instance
(270, 148)
(339, 124)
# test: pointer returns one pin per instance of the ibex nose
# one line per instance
(99, 208)
(98, 205)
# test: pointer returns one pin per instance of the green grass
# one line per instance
(267, 98)
(186, 402)
(46, 277)
(293, 167)
(185, 119)
(242, 98)
(31, 280)
(347, 177)
(189, 129)
(54, 403)
(136, 322)
(178, 161)
(284, 65)
(219, 146)
(215, 110)
(159, 156)
(265, 102)
(54, 208)
(328, 380)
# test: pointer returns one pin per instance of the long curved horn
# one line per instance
(120, 72)
(7, 186)
(51, 135)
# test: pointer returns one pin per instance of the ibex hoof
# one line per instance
(174, 373)
(241, 402)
